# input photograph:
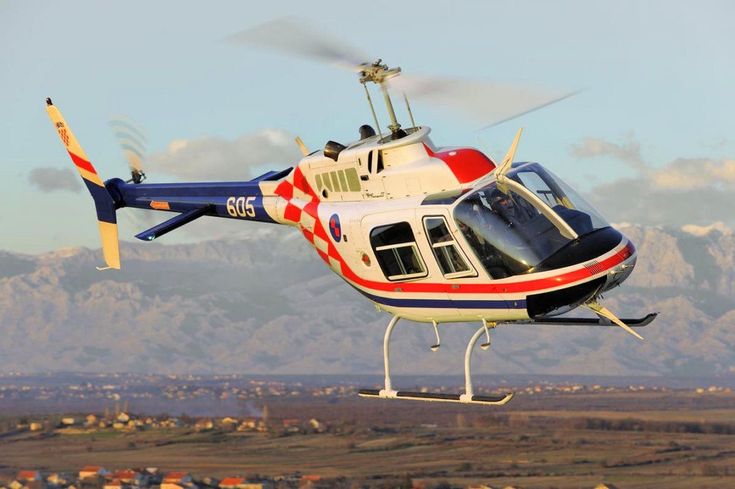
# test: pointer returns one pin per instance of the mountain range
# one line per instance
(265, 303)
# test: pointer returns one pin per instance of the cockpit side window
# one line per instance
(446, 250)
(395, 248)
(572, 208)
(533, 182)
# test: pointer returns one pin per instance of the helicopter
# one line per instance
(428, 234)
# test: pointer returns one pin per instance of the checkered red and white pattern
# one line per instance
(302, 205)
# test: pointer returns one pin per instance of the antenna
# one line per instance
(408, 107)
(372, 109)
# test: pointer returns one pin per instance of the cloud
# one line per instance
(636, 200)
(50, 179)
(700, 173)
(629, 151)
(682, 173)
(210, 158)
(694, 192)
(696, 230)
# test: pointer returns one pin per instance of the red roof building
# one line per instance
(114, 484)
(231, 482)
(176, 478)
(28, 476)
(89, 471)
(126, 476)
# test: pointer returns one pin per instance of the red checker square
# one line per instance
(292, 213)
(285, 190)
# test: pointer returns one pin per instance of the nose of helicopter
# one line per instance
(583, 249)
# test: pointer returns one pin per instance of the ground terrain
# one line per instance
(672, 439)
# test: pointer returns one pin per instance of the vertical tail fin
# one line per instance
(103, 202)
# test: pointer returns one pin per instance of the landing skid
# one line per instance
(635, 323)
(439, 397)
(468, 397)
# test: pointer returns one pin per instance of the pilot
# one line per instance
(505, 207)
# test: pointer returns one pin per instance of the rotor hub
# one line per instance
(377, 72)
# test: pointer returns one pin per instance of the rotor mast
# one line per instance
(378, 73)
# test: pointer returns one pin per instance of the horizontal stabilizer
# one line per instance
(173, 223)
(636, 323)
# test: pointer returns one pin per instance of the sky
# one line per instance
(650, 139)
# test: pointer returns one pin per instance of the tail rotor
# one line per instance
(133, 141)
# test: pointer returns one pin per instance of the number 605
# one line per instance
(241, 206)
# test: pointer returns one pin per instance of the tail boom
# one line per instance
(231, 200)
(254, 200)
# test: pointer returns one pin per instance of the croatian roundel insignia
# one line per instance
(335, 229)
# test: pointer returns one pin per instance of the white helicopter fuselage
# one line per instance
(403, 188)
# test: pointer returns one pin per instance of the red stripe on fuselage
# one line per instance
(82, 163)
(285, 190)
(507, 287)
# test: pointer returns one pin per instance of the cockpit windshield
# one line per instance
(508, 234)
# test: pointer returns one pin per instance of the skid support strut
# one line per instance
(388, 392)
(469, 397)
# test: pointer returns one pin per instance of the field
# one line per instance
(632, 439)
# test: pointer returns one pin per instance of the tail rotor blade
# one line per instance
(133, 141)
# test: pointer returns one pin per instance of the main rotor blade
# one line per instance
(480, 100)
(296, 37)
(606, 313)
(532, 109)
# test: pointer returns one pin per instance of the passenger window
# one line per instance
(396, 251)
(446, 250)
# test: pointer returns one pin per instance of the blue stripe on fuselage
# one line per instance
(443, 303)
